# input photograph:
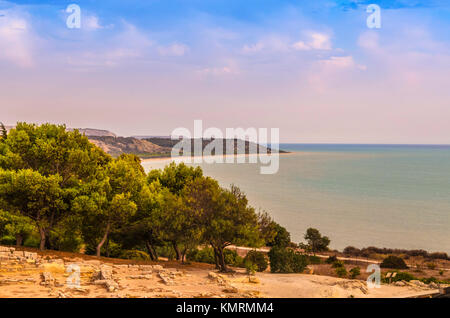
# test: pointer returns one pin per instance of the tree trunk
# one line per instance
(183, 255)
(222, 265)
(19, 239)
(107, 248)
(177, 250)
(43, 237)
(99, 246)
(151, 251)
(216, 256)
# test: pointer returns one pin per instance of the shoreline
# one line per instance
(192, 158)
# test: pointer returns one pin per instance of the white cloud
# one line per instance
(15, 40)
(91, 23)
(316, 41)
(174, 49)
(341, 62)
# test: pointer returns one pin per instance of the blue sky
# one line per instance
(311, 68)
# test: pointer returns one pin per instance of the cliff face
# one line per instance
(118, 145)
(88, 132)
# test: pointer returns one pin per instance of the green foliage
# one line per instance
(355, 272)
(314, 260)
(331, 259)
(282, 237)
(136, 255)
(223, 215)
(174, 177)
(401, 276)
(250, 267)
(206, 255)
(341, 271)
(285, 260)
(393, 261)
(32, 241)
(258, 259)
(337, 264)
(316, 242)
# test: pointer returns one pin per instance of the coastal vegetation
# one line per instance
(61, 191)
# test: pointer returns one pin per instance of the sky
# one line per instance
(313, 69)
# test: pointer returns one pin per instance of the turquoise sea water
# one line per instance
(362, 195)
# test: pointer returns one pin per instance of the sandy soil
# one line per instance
(24, 277)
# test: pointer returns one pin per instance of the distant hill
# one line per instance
(115, 146)
(237, 147)
(88, 132)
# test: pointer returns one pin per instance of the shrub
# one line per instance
(32, 241)
(232, 258)
(284, 260)
(258, 259)
(402, 276)
(393, 262)
(250, 267)
(314, 260)
(441, 272)
(355, 272)
(331, 259)
(136, 255)
(341, 272)
(338, 264)
(8, 240)
(351, 250)
(206, 255)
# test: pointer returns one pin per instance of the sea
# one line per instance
(394, 196)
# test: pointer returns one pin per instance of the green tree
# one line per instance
(175, 177)
(108, 202)
(316, 242)
(285, 260)
(51, 150)
(282, 237)
(224, 216)
(179, 228)
(17, 226)
(35, 196)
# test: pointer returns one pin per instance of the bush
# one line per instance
(402, 276)
(258, 259)
(341, 272)
(355, 272)
(393, 262)
(32, 241)
(314, 260)
(351, 250)
(338, 264)
(232, 258)
(136, 255)
(206, 255)
(331, 259)
(250, 267)
(284, 260)
(8, 240)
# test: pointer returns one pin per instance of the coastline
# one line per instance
(192, 158)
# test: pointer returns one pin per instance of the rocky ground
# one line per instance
(31, 274)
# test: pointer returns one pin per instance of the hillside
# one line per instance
(238, 148)
(118, 145)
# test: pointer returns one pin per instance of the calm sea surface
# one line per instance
(360, 195)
